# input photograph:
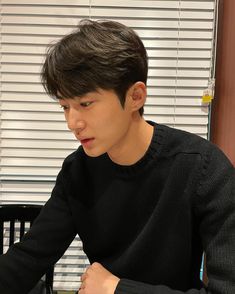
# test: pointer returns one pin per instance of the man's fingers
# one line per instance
(80, 291)
(82, 286)
(88, 268)
(83, 277)
(96, 265)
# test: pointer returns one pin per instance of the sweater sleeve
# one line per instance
(214, 205)
(50, 235)
(126, 286)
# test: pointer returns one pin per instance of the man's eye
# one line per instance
(64, 107)
(85, 104)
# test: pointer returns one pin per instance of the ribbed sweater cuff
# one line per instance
(131, 287)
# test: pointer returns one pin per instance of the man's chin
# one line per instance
(92, 153)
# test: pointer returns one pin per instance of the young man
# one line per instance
(145, 199)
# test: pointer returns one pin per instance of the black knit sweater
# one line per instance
(147, 223)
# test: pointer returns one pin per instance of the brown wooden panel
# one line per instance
(223, 106)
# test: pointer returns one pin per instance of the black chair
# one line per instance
(18, 215)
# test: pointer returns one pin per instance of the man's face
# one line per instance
(99, 122)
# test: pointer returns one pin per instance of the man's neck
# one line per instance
(136, 144)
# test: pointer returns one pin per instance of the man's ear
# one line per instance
(137, 95)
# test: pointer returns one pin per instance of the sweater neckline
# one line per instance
(154, 150)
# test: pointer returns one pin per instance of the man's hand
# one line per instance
(98, 280)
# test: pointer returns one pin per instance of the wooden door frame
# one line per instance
(223, 105)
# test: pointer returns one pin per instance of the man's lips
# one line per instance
(86, 141)
(83, 141)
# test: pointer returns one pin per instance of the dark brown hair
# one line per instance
(98, 54)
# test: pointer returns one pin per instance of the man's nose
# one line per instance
(75, 121)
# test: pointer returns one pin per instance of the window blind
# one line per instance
(179, 37)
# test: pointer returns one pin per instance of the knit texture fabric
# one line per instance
(147, 223)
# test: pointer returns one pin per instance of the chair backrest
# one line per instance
(204, 277)
(18, 215)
